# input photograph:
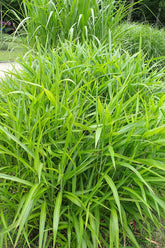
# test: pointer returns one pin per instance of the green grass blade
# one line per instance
(15, 179)
(115, 193)
(42, 223)
(27, 207)
(114, 229)
(11, 136)
(56, 216)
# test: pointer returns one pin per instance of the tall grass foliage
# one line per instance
(52, 20)
(82, 149)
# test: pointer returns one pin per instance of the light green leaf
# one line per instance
(11, 136)
(110, 148)
(115, 193)
(27, 207)
(51, 97)
(114, 229)
(137, 173)
(56, 216)
(154, 131)
(77, 229)
(74, 199)
(97, 136)
(15, 179)
(160, 142)
(100, 107)
(132, 237)
(42, 223)
(153, 163)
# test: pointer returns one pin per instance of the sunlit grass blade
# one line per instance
(27, 207)
(15, 179)
(56, 216)
(79, 229)
(114, 229)
(42, 223)
(11, 136)
(115, 193)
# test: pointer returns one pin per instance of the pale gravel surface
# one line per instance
(7, 67)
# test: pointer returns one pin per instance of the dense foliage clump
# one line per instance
(81, 133)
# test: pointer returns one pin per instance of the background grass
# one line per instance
(12, 47)
(133, 36)
(50, 21)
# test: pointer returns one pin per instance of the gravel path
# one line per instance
(6, 67)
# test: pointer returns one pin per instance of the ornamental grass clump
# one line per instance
(131, 36)
(82, 131)
(51, 21)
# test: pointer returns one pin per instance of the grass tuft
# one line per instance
(149, 39)
(81, 149)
